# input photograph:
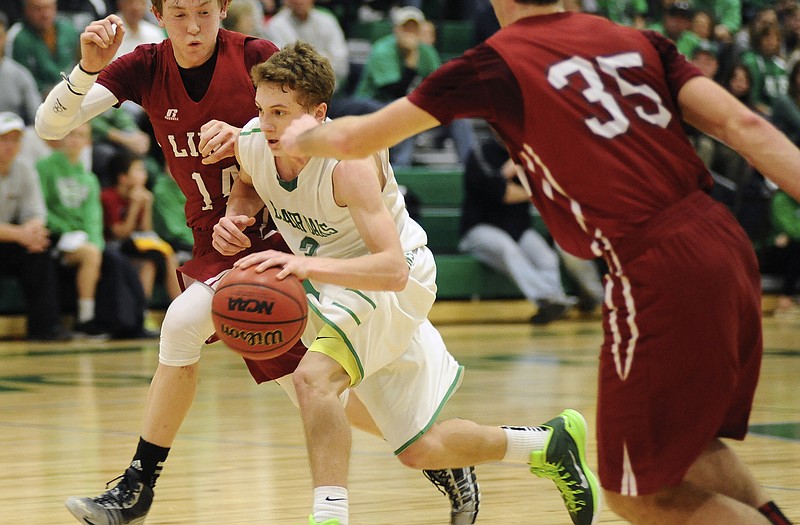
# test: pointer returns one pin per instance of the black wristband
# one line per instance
(88, 72)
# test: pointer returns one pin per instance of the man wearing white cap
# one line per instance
(397, 63)
(24, 241)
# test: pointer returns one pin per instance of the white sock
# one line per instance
(329, 503)
(522, 441)
(85, 310)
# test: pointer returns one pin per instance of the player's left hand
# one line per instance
(291, 264)
(298, 126)
(217, 141)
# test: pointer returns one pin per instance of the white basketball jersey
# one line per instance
(304, 209)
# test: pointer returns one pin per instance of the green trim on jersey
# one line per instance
(288, 185)
(453, 386)
(361, 294)
(246, 132)
(360, 372)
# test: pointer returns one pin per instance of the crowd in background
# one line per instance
(112, 177)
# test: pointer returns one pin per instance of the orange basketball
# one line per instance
(257, 315)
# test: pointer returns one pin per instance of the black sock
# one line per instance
(774, 514)
(149, 459)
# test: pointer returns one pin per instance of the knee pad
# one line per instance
(186, 327)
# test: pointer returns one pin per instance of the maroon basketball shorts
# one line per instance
(682, 345)
(209, 263)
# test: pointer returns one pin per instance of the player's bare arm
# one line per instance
(217, 141)
(355, 137)
(712, 109)
(356, 185)
(243, 203)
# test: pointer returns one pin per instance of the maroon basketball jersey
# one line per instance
(150, 77)
(600, 139)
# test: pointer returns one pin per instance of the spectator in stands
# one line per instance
(790, 20)
(484, 23)
(128, 220)
(626, 12)
(396, 64)
(675, 25)
(785, 215)
(18, 91)
(243, 17)
(786, 110)
(704, 56)
(75, 220)
(727, 13)
(767, 68)
(20, 95)
(81, 12)
(24, 239)
(138, 30)
(496, 229)
(703, 25)
(740, 83)
(301, 20)
(765, 16)
(45, 44)
(169, 218)
(113, 131)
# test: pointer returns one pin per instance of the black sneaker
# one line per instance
(57, 335)
(550, 311)
(91, 330)
(461, 486)
(127, 503)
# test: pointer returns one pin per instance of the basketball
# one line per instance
(257, 315)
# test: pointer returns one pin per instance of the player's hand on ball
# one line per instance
(289, 264)
(217, 141)
(298, 126)
(227, 237)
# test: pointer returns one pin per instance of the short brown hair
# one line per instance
(159, 4)
(300, 68)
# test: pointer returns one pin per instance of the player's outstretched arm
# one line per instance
(77, 99)
(355, 137)
(712, 109)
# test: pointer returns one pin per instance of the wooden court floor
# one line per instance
(69, 416)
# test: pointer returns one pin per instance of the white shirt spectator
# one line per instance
(317, 27)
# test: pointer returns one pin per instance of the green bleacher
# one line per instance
(459, 276)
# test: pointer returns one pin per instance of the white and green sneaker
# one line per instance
(563, 461)
(461, 486)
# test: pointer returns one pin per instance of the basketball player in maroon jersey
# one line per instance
(591, 112)
(200, 73)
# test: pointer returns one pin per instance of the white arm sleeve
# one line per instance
(73, 101)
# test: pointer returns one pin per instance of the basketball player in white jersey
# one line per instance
(374, 283)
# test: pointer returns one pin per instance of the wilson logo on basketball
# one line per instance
(238, 304)
(254, 338)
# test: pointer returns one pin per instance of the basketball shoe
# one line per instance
(332, 521)
(461, 486)
(126, 504)
(563, 461)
